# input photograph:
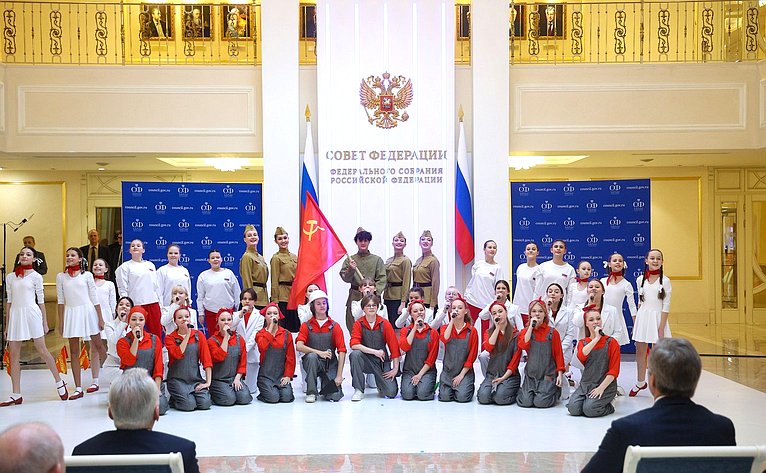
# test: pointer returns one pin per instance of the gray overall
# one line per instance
(145, 360)
(362, 363)
(455, 355)
(183, 376)
(505, 392)
(222, 389)
(271, 371)
(596, 366)
(539, 387)
(413, 362)
(313, 365)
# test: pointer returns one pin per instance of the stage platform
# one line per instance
(418, 432)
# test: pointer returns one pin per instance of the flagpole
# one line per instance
(357, 269)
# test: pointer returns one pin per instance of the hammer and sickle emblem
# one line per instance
(312, 228)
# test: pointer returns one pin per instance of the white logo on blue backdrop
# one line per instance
(195, 215)
(594, 218)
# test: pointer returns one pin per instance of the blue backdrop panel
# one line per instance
(197, 216)
(595, 218)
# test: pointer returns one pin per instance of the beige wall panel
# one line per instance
(642, 107)
(636, 107)
(144, 110)
(179, 109)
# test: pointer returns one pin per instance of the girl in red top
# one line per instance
(600, 355)
(461, 347)
(141, 349)
(421, 343)
(545, 363)
(500, 342)
(187, 349)
(227, 350)
(277, 358)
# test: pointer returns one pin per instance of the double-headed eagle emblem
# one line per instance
(388, 102)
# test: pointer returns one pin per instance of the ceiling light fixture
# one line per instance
(227, 164)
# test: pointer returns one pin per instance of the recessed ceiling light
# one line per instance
(102, 169)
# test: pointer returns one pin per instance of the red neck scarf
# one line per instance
(103, 276)
(73, 270)
(651, 272)
(582, 279)
(613, 275)
(19, 271)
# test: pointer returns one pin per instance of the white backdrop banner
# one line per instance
(386, 99)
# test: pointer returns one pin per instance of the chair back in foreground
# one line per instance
(155, 463)
(695, 460)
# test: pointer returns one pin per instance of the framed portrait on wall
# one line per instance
(463, 21)
(516, 20)
(308, 22)
(196, 21)
(156, 21)
(236, 22)
(551, 20)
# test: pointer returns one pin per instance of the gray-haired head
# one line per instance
(134, 400)
(675, 366)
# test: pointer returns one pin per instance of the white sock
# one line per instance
(78, 389)
(95, 381)
(16, 395)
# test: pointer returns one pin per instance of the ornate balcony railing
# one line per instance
(638, 32)
(36, 32)
(125, 33)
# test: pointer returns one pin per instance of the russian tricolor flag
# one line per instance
(309, 166)
(463, 202)
(309, 181)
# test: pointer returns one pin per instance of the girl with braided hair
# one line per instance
(651, 321)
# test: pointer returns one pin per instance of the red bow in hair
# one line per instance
(73, 270)
(416, 301)
(651, 272)
(19, 271)
(540, 301)
(588, 308)
(272, 304)
(613, 275)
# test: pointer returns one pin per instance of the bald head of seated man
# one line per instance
(31, 448)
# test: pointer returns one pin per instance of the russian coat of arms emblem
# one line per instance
(387, 97)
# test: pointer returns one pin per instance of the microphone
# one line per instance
(454, 314)
(230, 332)
(533, 323)
(498, 297)
(601, 332)
(592, 298)
(190, 326)
(137, 333)
(549, 304)
(420, 322)
(497, 320)
(274, 320)
(23, 221)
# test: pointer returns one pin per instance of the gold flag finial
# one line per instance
(460, 113)
(308, 113)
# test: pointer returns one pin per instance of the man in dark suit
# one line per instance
(551, 21)
(39, 264)
(674, 420)
(94, 249)
(115, 254)
(134, 406)
(158, 26)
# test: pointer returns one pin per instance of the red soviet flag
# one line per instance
(320, 248)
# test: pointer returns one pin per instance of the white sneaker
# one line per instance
(311, 398)
(358, 395)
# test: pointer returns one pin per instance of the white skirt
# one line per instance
(25, 323)
(80, 321)
(647, 325)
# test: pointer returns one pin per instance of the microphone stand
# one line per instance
(3, 295)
